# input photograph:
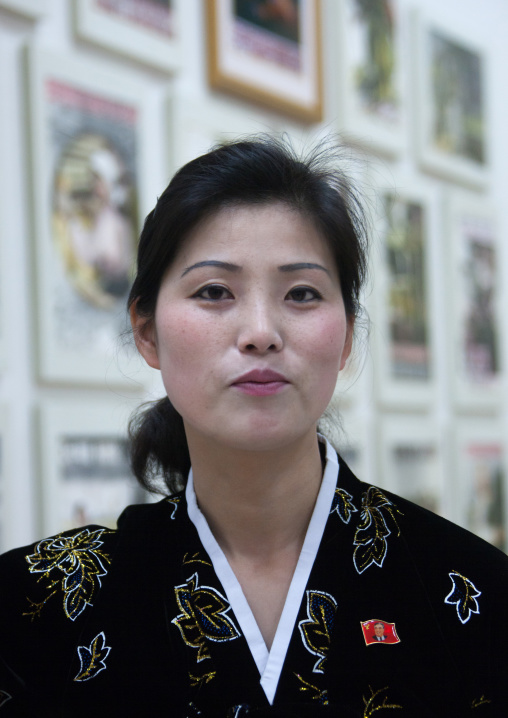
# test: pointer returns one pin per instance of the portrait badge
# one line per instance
(377, 631)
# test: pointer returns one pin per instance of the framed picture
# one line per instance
(371, 111)
(30, 8)
(85, 472)
(145, 30)
(412, 462)
(474, 332)
(480, 479)
(402, 310)
(88, 138)
(268, 53)
(451, 106)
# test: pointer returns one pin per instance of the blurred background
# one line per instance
(102, 100)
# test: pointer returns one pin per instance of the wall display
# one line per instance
(86, 477)
(142, 29)
(412, 464)
(404, 356)
(30, 8)
(480, 450)
(451, 112)
(268, 52)
(474, 320)
(372, 108)
(87, 135)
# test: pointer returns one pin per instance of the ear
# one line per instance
(348, 344)
(145, 337)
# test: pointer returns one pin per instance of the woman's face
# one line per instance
(250, 329)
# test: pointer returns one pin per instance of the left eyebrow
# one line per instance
(301, 265)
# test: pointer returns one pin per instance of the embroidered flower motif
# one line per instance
(316, 694)
(80, 559)
(4, 697)
(92, 658)
(175, 501)
(463, 595)
(372, 703)
(372, 531)
(317, 629)
(343, 505)
(203, 616)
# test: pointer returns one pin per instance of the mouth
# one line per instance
(261, 382)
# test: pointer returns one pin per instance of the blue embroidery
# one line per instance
(343, 505)
(316, 631)
(92, 658)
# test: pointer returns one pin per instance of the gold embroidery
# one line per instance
(202, 680)
(370, 703)
(463, 595)
(316, 630)
(321, 696)
(372, 531)
(80, 559)
(203, 616)
(92, 658)
(480, 702)
(343, 505)
(194, 559)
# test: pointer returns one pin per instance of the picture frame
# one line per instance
(412, 461)
(372, 103)
(451, 112)
(85, 475)
(88, 138)
(142, 30)
(29, 8)
(475, 339)
(480, 470)
(272, 62)
(402, 301)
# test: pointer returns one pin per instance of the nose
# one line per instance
(260, 330)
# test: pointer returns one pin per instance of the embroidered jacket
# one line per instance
(135, 622)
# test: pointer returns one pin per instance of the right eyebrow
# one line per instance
(213, 263)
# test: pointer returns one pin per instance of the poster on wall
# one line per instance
(372, 104)
(404, 341)
(268, 52)
(452, 115)
(87, 146)
(475, 312)
(86, 476)
(145, 30)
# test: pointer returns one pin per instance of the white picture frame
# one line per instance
(132, 29)
(475, 339)
(480, 471)
(28, 8)
(411, 452)
(401, 302)
(88, 139)
(85, 477)
(451, 110)
(372, 102)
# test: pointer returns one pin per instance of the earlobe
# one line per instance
(144, 335)
(348, 344)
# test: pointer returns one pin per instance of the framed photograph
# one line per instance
(480, 473)
(474, 331)
(403, 328)
(412, 462)
(145, 30)
(372, 111)
(30, 8)
(88, 137)
(451, 106)
(85, 472)
(268, 53)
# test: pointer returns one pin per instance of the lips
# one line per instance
(261, 382)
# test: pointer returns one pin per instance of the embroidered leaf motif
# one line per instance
(343, 505)
(316, 693)
(195, 559)
(372, 531)
(202, 680)
(316, 630)
(479, 702)
(203, 616)
(174, 500)
(463, 595)
(4, 697)
(372, 704)
(80, 559)
(92, 658)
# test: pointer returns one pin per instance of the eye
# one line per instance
(213, 293)
(303, 295)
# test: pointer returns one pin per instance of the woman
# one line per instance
(275, 583)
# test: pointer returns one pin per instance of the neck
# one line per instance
(258, 504)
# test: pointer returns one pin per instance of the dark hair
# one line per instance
(259, 170)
